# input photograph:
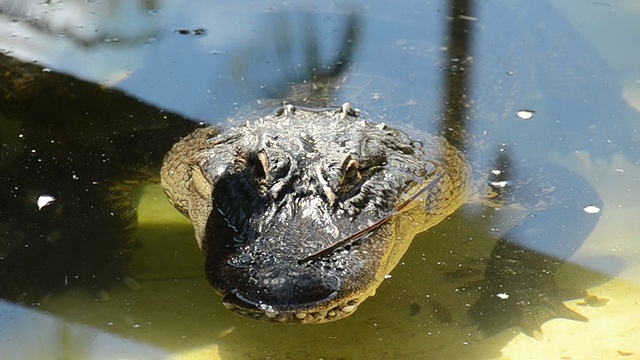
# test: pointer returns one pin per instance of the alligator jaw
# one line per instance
(267, 313)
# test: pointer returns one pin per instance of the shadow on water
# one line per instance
(78, 143)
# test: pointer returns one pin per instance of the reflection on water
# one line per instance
(580, 122)
(97, 40)
(28, 334)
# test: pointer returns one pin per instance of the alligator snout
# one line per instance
(276, 289)
(291, 293)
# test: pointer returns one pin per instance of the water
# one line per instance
(581, 83)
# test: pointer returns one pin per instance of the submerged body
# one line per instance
(301, 214)
(268, 197)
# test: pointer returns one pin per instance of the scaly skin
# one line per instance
(266, 195)
(302, 213)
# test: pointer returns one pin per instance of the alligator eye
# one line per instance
(350, 171)
(262, 167)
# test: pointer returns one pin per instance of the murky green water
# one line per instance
(208, 61)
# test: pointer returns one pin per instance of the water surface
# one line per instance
(208, 62)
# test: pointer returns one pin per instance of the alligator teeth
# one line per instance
(301, 315)
(268, 313)
(348, 308)
(229, 306)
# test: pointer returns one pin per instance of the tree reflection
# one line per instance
(458, 73)
(519, 286)
(308, 63)
(87, 23)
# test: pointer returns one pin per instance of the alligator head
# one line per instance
(302, 214)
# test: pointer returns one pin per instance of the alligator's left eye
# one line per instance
(261, 167)
(271, 171)
(350, 172)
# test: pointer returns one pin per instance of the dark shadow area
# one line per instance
(73, 159)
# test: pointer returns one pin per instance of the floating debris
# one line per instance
(593, 301)
(467, 17)
(44, 200)
(525, 114)
(591, 209)
(194, 32)
(625, 353)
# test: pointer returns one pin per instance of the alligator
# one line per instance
(302, 213)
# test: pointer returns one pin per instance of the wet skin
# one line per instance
(302, 213)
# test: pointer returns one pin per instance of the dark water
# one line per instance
(206, 62)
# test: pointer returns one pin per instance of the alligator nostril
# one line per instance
(286, 291)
